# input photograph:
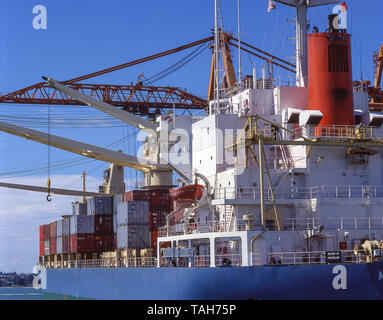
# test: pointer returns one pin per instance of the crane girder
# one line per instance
(124, 116)
(65, 192)
(84, 149)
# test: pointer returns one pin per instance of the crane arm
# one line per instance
(138, 122)
(84, 149)
(379, 68)
(65, 192)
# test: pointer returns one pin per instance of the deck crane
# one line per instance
(375, 92)
(157, 172)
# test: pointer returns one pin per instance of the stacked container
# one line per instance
(59, 234)
(53, 229)
(44, 240)
(66, 235)
(103, 233)
(79, 209)
(100, 206)
(116, 201)
(46, 233)
(81, 234)
(159, 207)
(41, 242)
(133, 225)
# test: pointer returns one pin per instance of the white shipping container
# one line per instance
(79, 209)
(133, 236)
(117, 200)
(59, 228)
(59, 245)
(133, 213)
(46, 248)
(82, 225)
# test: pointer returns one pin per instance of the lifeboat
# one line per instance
(188, 193)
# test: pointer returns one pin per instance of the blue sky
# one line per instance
(86, 36)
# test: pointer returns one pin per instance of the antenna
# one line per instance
(239, 48)
(216, 49)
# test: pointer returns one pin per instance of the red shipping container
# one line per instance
(157, 218)
(42, 233)
(137, 195)
(80, 243)
(103, 242)
(103, 224)
(52, 248)
(154, 238)
(47, 231)
(53, 229)
(66, 244)
(42, 248)
(160, 199)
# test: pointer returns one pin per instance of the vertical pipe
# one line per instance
(301, 46)
(261, 181)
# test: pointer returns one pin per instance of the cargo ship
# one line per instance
(279, 194)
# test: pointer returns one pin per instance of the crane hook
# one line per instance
(49, 198)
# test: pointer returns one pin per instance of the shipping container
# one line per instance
(103, 242)
(80, 243)
(59, 245)
(154, 234)
(59, 228)
(79, 209)
(53, 229)
(46, 247)
(133, 213)
(41, 233)
(160, 199)
(133, 236)
(137, 195)
(52, 247)
(47, 231)
(100, 206)
(158, 219)
(118, 198)
(103, 224)
(82, 225)
(42, 248)
(66, 226)
(115, 240)
(66, 244)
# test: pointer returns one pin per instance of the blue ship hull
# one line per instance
(318, 282)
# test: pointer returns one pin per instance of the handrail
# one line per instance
(227, 260)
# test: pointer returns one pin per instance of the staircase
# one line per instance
(226, 224)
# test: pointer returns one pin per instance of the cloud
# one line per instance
(21, 214)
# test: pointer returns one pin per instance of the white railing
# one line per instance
(227, 260)
(104, 263)
(355, 223)
(337, 132)
(324, 191)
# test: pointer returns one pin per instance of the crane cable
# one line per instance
(49, 197)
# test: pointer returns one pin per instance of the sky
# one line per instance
(86, 36)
